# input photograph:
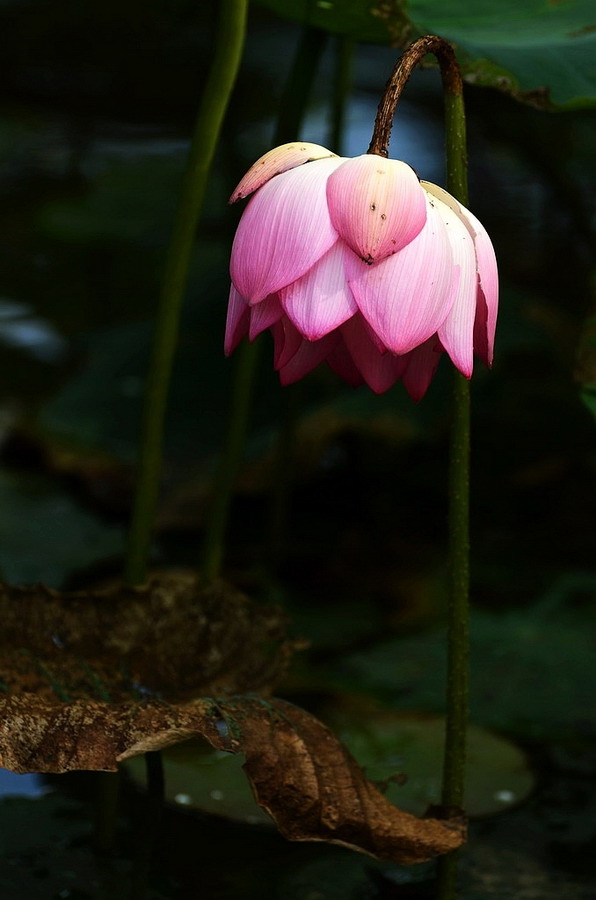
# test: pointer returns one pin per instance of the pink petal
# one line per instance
(340, 361)
(421, 366)
(488, 276)
(457, 331)
(287, 341)
(276, 161)
(264, 314)
(407, 297)
(321, 300)
(376, 205)
(488, 293)
(308, 357)
(236, 322)
(283, 231)
(379, 370)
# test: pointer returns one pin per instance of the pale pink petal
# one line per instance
(308, 357)
(276, 161)
(421, 366)
(376, 205)
(379, 370)
(407, 297)
(264, 314)
(457, 331)
(321, 300)
(488, 277)
(283, 231)
(236, 322)
(340, 361)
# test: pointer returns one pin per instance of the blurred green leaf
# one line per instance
(361, 19)
(201, 778)
(539, 51)
(45, 534)
(389, 745)
(532, 670)
(520, 48)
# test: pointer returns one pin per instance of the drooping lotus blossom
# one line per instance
(357, 263)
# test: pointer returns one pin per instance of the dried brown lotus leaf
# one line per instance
(93, 678)
(170, 638)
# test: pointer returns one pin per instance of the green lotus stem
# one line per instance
(242, 390)
(149, 831)
(454, 762)
(458, 610)
(293, 104)
(106, 810)
(222, 76)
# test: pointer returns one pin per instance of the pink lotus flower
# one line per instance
(357, 263)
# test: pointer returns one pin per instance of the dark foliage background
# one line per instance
(97, 105)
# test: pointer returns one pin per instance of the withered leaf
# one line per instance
(301, 774)
(91, 679)
(170, 638)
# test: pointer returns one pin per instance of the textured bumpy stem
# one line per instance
(450, 74)
(458, 640)
(458, 604)
(293, 105)
(228, 51)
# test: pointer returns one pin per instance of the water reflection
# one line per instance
(14, 785)
(21, 328)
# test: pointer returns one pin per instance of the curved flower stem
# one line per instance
(293, 104)
(450, 75)
(458, 604)
(228, 51)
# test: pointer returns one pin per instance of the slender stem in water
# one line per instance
(222, 76)
(291, 114)
(458, 610)
(149, 831)
(213, 546)
(458, 604)
(106, 810)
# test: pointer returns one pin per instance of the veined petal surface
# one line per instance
(379, 370)
(283, 231)
(488, 276)
(264, 314)
(287, 341)
(377, 205)
(341, 362)
(308, 356)
(488, 294)
(321, 300)
(237, 321)
(406, 298)
(457, 331)
(421, 366)
(276, 161)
